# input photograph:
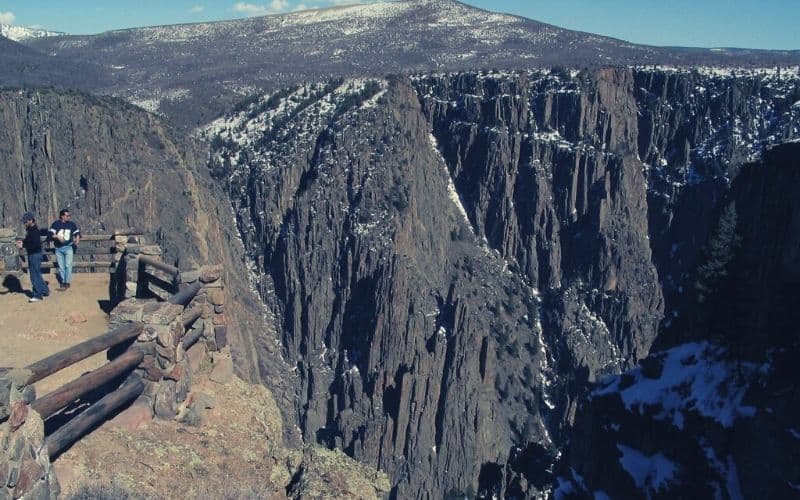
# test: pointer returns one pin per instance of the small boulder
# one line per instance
(222, 373)
(134, 417)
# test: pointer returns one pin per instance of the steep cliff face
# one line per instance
(451, 258)
(114, 165)
(711, 417)
(399, 326)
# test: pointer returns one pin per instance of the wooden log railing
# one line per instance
(92, 246)
(52, 403)
(51, 364)
(78, 426)
(192, 336)
(49, 404)
(78, 265)
(161, 266)
(191, 316)
(147, 278)
(185, 295)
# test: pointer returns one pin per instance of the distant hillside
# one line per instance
(24, 66)
(193, 72)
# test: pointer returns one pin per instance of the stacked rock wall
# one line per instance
(24, 462)
(176, 339)
(9, 255)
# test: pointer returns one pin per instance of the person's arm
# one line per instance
(76, 236)
(51, 235)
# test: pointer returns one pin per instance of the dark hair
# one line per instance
(63, 212)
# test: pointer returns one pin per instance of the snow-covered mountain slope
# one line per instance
(20, 33)
(192, 71)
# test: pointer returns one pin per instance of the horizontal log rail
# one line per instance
(161, 266)
(79, 352)
(163, 284)
(73, 430)
(105, 236)
(77, 264)
(50, 403)
(186, 295)
(88, 251)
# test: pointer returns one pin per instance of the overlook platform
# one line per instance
(32, 331)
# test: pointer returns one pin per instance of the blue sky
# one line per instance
(768, 24)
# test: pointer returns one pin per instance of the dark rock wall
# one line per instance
(396, 321)
(443, 314)
(548, 175)
(113, 165)
(753, 319)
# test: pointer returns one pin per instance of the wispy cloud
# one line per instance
(7, 17)
(197, 8)
(252, 9)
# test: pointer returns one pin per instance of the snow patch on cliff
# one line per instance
(695, 377)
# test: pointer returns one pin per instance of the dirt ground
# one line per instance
(32, 331)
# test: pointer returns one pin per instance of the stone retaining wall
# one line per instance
(24, 463)
(9, 255)
(168, 365)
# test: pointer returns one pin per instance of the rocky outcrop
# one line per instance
(452, 259)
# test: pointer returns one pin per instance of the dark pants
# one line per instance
(40, 288)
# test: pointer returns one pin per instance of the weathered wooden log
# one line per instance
(77, 264)
(97, 237)
(89, 237)
(130, 231)
(161, 266)
(54, 401)
(186, 294)
(91, 251)
(78, 426)
(191, 316)
(193, 335)
(79, 352)
(163, 284)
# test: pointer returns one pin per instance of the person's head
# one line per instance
(28, 219)
(64, 214)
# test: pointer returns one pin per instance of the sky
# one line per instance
(760, 24)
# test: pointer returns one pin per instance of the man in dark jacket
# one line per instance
(33, 245)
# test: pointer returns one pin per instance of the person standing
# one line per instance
(33, 246)
(66, 236)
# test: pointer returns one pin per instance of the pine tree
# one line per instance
(720, 251)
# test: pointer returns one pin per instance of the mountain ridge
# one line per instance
(194, 72)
